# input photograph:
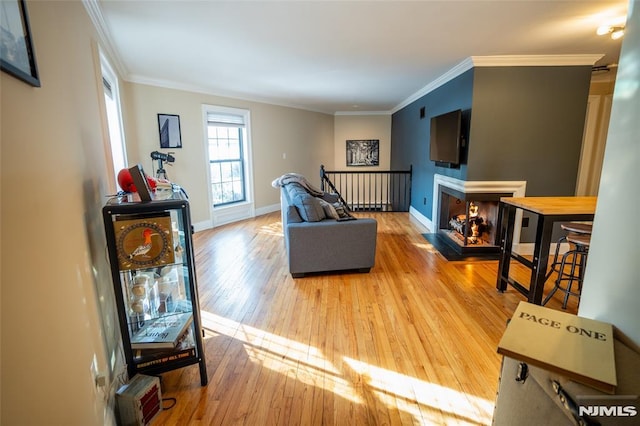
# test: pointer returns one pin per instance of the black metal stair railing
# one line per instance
(385, 191)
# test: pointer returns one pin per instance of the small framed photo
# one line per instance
(364, 152)
(169, 129)
(139, 178)
(16, 53)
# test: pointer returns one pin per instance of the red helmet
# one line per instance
(126, 182)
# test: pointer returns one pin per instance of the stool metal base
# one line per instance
(575, 260)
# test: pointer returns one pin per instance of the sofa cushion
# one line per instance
(308, 206)
(329, 210)
(292, 214)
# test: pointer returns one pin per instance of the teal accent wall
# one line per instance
(521, 123)
(410, 136)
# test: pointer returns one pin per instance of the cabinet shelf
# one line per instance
(153, 271)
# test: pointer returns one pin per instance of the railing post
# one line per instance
(322, 177)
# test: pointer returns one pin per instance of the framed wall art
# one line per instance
(169, 129)
(17, 56)
(363, 152)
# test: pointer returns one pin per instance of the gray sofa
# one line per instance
(316, 242)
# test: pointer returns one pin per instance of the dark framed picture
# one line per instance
(16, 49)
(169, 128)
(365, 152)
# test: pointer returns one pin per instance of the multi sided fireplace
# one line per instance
(469, 222)
(465, 217)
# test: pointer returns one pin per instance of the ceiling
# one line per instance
(337, 56)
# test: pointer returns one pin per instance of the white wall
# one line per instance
(54, 271)
(362, 127)
(611, 291)
(304, 138)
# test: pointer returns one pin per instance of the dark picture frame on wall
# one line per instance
(169, 130)
(17, 56)
(363, 152)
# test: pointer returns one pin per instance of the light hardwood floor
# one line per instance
(413, 342)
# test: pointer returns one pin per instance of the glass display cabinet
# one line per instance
(152, 265)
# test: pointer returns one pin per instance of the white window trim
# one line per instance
(236, 211)
(106, 70)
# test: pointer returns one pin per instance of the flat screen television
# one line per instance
(446, 138)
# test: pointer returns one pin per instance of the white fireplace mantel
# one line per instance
(517, 188)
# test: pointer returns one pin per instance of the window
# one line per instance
(227, 168)
(112, 103)
(227, 148)
(114, 144)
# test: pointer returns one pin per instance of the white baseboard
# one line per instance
(268, 209)
(425, 221)
(202, 226)
(524, 249)
(230, 215)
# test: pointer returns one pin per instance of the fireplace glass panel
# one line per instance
(469, 220)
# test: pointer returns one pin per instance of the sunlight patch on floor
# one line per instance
(217, 325)
(427, 403)
(426, 246)
(293, 359)
(274, 228)
(398, 389)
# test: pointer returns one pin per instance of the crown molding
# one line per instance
(535, 60)
(500, 61)
(174, 85)
(104, 36)
(367, 113)
(454, 72)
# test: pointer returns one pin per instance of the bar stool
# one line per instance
(573, 227)
(576, 261)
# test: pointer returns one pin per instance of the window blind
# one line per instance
(221, 119)
(107, 87)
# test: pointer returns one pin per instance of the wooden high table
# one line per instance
(548, 211)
